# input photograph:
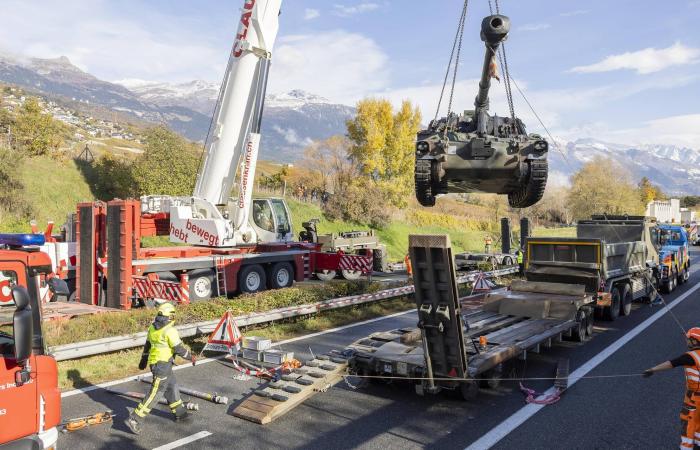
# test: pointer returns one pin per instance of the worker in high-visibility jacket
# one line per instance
(488, 241)
(690, 414)
(520, 255)
(162, 344)
(409, 269)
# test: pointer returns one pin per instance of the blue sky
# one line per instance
(625, 71)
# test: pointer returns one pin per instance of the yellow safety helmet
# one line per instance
(166, 309)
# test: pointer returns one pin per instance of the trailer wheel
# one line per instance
(469, 390)
(378, 260)
(202, 285)
(326, 275)
(252, 279)
(507, 261)
(589, 323)
(626, 298)
(351, 275)
(280, 275)
(492, 379)
(578, 333)
(611, 312)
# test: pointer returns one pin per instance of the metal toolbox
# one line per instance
(256, 343)
(277, 356)
(254, 355)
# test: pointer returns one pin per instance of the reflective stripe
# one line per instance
(145, 405)
(686, 440)
(693, 371)
(693, 378)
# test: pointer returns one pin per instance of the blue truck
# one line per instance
(674, 259)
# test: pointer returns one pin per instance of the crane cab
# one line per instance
(271, 220)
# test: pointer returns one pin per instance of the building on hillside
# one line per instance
(665, 211)
(687, 216)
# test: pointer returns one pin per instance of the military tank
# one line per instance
(479, 152)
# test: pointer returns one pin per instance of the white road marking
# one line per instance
(208, 360)
(184, 441)
(501, 430)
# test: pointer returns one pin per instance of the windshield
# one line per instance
(281, 215)
(672, 237)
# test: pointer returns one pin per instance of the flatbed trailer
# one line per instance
(451, 347)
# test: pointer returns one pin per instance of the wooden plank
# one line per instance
(496, 324)
(496, 335)
(264, 410)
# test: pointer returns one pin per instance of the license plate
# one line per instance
(388, 368)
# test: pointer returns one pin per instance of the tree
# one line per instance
(114, 178)
(383, 146)
(603, 186)
(327, 162)
(168, 165)
(649, 192)
(36, 133)
(13, 199)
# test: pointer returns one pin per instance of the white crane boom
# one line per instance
(210, 217)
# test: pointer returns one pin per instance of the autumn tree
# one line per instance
(383, 146)
(327, 163)
(168, 164)
(603, 186)
(36, 133)
(649, 192)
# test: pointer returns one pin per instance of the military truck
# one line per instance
(477, 152)
(616, 259)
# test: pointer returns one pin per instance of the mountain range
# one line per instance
(294, 119)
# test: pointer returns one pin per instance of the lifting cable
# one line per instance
(503, 61)
(454, 56)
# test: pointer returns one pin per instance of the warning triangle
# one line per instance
(482, 284)
(226, 337)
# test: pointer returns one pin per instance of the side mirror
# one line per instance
(283, 229)
(22, 325)
(59, 288)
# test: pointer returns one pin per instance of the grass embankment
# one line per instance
(97, 369)
(569, 232)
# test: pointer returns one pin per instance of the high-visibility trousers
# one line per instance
(164, 384)
(690, 421)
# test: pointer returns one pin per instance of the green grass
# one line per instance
(53, 188)
(554, 232)
(83, 372)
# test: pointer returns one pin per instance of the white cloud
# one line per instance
(645, 61)
(577, 12)
(534, 27)
(310, 14)
(291, 136)
(346, 11)
(682, 130)
(111, 45)
(341, 66)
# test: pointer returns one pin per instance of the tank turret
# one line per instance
(478, 152)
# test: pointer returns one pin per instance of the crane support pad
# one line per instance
(266, 404)
(438, 304)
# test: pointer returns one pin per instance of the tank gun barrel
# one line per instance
(494, 30)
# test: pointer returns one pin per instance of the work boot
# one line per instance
(182, 415)
(133, 423)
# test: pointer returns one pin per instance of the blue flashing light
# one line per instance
(22, 240)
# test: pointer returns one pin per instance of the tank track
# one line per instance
(531, 192)
(424, 182)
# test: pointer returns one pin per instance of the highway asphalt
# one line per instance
(594, 413)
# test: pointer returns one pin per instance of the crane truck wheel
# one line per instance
(252, 279)
(202, 285)
(326, 275)
(351, 275)
(507, 261)
(280, 275)
(611, 312)
(626, 297)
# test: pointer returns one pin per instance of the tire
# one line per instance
(252, 279)
(626, 301)
(493, 262)
(280, 275)
(469, 390)
(683, 276)
(491, 379)
(202, 285)
(351, 275)
(611, 312)
(71, 297)
(578, 334)
(667, 286)
(507, 261)
(589, 324)
(532, 190)
(326, 275)
(378, 260)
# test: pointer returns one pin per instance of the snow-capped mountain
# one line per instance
(675, 169)
(197, 94)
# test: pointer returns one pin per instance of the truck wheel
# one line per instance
(202, 285)
(351, 275)
(626, 297)
(589, 323)
(326, 275)
(280, 275)
(469, 390)
(684, 276)
(578, 334)
(611, 312)
(252, 279)
(507, 261)
(667, 286)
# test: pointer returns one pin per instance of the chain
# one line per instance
(503, 62)
(460, 26)
(459, 51)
